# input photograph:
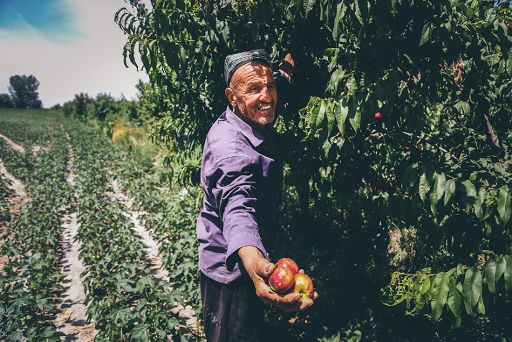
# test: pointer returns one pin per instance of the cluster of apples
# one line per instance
(286, 278)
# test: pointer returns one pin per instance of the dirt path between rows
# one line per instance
(185, 314)
(13, 145)
(72, 318)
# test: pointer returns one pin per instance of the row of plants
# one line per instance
(30, 278)
(169, 210)
(124, 299)
(5, 194)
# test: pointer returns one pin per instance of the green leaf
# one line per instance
(479, 202)
(440, 294)
(454, 300)
(15, 336)
(508, 64)
(341, 115)
(308, 6)
(361, 10)
(425, 33)
(426, 180)
(341, 9)
(472, 288)
(320, 117)
(500, 268)
(438, 191)
(355, 114)
(351, 85)
(425, 285)
(507, 275)
(449, 191)
(470, 194)
(481, 305)
(490, 272)
(335, 80)
(462, 106)
(504, 204)
(139, 333)
(492, 59)
(329, 113)
(121, 317)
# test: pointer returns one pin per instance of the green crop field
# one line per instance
(70, 169)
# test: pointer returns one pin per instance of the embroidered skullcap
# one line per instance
(235, 61)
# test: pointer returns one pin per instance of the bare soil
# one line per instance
(72, 318)
(13, 145)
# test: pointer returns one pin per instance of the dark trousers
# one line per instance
(232, 312)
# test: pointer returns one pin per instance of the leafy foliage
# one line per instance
(431, 171)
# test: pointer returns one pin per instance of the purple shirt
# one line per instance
(241, 175)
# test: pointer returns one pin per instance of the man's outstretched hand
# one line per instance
(259, 269)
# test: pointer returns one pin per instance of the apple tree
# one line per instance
(397, 139)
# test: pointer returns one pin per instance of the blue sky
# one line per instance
(70, 46)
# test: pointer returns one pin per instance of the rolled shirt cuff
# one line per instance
(239, 240)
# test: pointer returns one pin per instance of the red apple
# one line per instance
(281, 280)
(289, 264)
(303, 285)
(378, 115)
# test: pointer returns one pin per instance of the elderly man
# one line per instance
(241, 177)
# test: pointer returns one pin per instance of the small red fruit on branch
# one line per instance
(441, 65)
(303, 285)
(378, 115)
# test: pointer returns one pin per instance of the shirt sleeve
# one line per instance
(235, 192)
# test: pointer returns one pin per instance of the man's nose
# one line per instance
(265, 94)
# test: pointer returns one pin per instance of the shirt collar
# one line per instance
(255, 137)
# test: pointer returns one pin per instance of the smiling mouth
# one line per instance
(266, 107)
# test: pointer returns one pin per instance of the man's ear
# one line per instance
(231, 96)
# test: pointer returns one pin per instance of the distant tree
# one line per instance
(5, 101)
(104, 105)
(23, 90)
(58, 106)
(68, 108)
(81, 100)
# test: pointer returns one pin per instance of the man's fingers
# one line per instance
(265, 268)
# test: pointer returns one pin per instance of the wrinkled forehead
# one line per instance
(252, 72)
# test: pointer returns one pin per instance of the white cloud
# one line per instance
(91, 63)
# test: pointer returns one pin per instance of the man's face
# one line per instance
(252, 93)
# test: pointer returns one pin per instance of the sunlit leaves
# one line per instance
(425, 33)
(505, 204)
(440, 294)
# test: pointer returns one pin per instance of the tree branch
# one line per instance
(420, 138)
(490, 130)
